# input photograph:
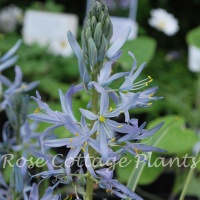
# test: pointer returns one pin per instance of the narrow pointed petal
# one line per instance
(11, 52)
(150, 132)
(105, 173)
(57, 142)
(118, 43)
(147, 148)
(84, 124)
(127, 85)
(74, 44)
(43, 118)
(5, 81)
(103, 143)
(88, 114)
(72, 154)
(69, 124)
(123, 107)
(88, 163)
(34, 194)
(120, 127)
(126, 190)
(132, 135)
(114, 77)
(78, 52)
(105, 72)
(8, 63)
(66, 102)
(104, 100)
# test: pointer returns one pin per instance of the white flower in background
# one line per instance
(60, 47)
(10, 17)
(164, 21)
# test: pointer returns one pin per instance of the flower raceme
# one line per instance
(97, 133)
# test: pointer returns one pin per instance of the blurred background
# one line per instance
(173, 61)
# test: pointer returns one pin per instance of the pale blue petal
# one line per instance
(57, 142)
(8, 63)
(74, 44)
(132, 135)
(84, 125)
(11, 52)
(104, 100)
(125, 106)
(105, 73)
(88, 163)
(114, 77)
(116, 56)
(72, 154)
(69, 124)
(68, 101)
(150, 132)
(113, 95)
(5, 81)
(103, 143)
(34, 194)
(125, 190)
(115, 47)
(81, 61)
(105, 173)
(146, 148)
(127, 85)
(119, 127)
(88, 114)
(44, 118)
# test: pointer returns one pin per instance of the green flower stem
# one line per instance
(94, 109)
(188, 180)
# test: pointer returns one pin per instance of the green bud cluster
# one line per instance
(96, 33)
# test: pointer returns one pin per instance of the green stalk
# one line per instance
(188, 180)
(94, 109)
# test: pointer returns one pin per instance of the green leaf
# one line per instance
(178, 139)
(193, 37)
(150, 173)
(194, 187)
(143, 49)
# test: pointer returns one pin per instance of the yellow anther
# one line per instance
(97, 133)
(85, 144)
(70, 140)
(150, 79)
(110, 109)
(71, 147)
(121, 112)
(37, 110)
(63, 44)
(23, 86)
(77, 134)
(120, 126)
(146, 83)
(83, 149)
(113, 139)
(149, 104)
(151, 95)
(102, 119)
(107, 190)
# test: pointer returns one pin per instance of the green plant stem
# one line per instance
(94, 109)
(197, 100)
(188, 180)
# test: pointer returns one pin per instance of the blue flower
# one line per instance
(106, 126)
(17, 86)
(8, 59)
(112, 185)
